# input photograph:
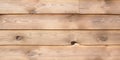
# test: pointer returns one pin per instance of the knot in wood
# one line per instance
(19, 38)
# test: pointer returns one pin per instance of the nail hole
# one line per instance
(19, 37)
(73, 42)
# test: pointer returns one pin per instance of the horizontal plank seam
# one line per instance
(59, 29)
(63, 45)
(54, 14)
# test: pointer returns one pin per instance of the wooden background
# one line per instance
(59, 29)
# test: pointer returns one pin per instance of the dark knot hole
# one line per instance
(19, 37)
(73, 42)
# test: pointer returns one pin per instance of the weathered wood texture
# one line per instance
(59, 53)
(60, 6)
(59, 21)
(41, 37)
(55, 30)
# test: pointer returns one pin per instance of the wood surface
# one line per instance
(59, 21)
(48, 38)
(59, 30)
(59, 53)
(59, 6)
(38, 6)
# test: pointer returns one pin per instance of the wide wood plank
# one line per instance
(59, 53)
(44, 37)
(34, 37)
(59, 21)
(99, 6)
(39, 6)
(60, 6)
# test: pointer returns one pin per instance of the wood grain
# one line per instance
(59, 30)
(59, 53)
(42, 37)
(59, 21)
(59, 6)
(38, 6)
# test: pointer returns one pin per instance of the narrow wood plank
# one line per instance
(41, 37)
(60, 6)
(59, 21)
(59, 53)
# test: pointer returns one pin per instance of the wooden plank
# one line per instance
(34, 37)
(42, 37)
(59, 21)
(99, 6)
(59, 53)
(60, 6)
(39, 6)
(98, 37)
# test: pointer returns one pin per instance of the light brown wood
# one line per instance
(59, 53)
(59, 30)
(42, 37)
(60, 6)
(34, 37)
(99, 6)
(59, 21)
(38, 6)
